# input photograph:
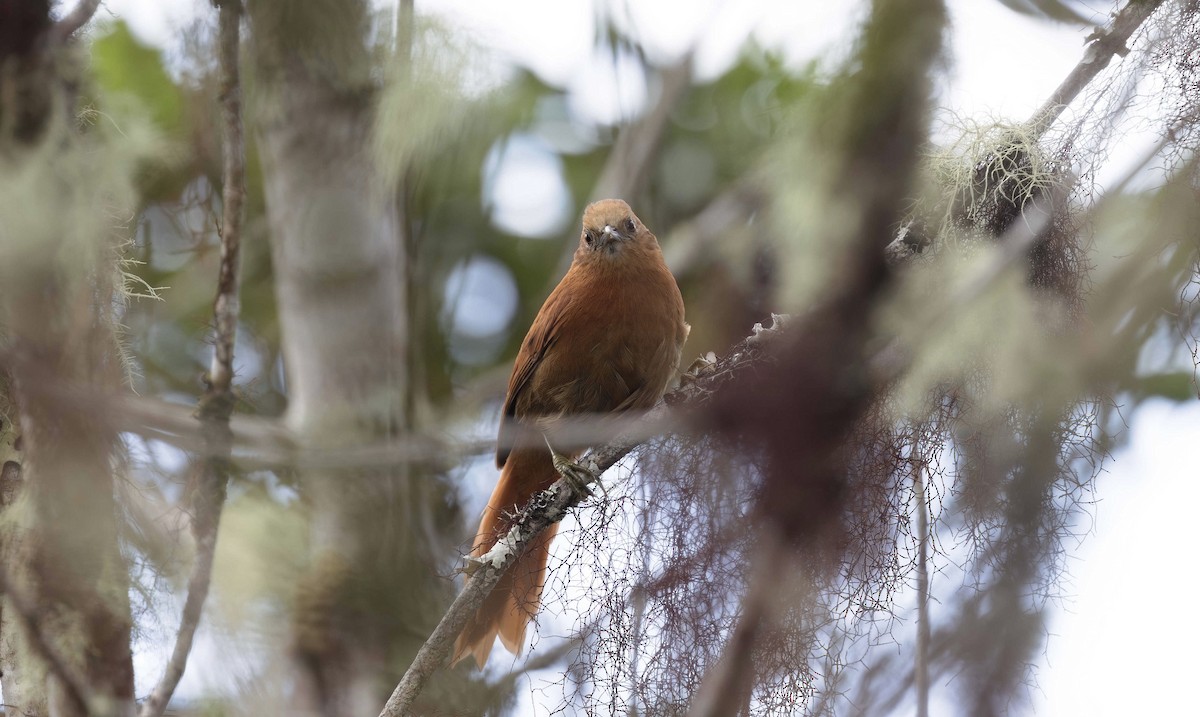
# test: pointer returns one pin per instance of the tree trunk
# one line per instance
(371, 591)
(59, 279)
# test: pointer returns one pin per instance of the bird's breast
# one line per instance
(617, 344)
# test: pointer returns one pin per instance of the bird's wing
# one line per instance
(646, 387)
(542, 335)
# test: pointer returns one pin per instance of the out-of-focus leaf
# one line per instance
(131, 86)
(423, 110)
(1176, 386)
(131, 77)
(260, 553)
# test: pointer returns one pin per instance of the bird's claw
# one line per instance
(577, 475)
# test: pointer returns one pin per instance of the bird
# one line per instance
(606, 341)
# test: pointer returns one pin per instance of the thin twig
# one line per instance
(218, 401)
(226, 305)
(922, 662)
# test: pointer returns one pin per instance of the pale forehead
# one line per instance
(606, 211)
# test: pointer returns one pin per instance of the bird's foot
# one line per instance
(577, 475)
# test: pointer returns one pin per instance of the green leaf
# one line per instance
(131, 78)
(1176, 386)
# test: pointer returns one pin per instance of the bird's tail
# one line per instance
(515, 599)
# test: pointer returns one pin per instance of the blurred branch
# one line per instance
(405, 17)
(257, 442)
(503, 687)
(636, 149)
(216, 406)
(551, 506)
(73, 21)
(63, 570)
(1060, 10)
(267, 439)
(260, 443)
(689, 244)
(801, 408)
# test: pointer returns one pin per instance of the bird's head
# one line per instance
(609, 225)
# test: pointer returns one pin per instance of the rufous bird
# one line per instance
(607, 340)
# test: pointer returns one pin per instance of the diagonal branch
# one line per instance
(1104, 43)
(208, 492)
(552, 504)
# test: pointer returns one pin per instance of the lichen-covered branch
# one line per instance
(1103, 44)
(213, 468)
(702, 381)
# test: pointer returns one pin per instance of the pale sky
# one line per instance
(1124, 644)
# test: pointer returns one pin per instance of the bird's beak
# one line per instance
(610, 233)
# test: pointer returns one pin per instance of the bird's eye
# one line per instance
(587, 237)
(629, 225)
